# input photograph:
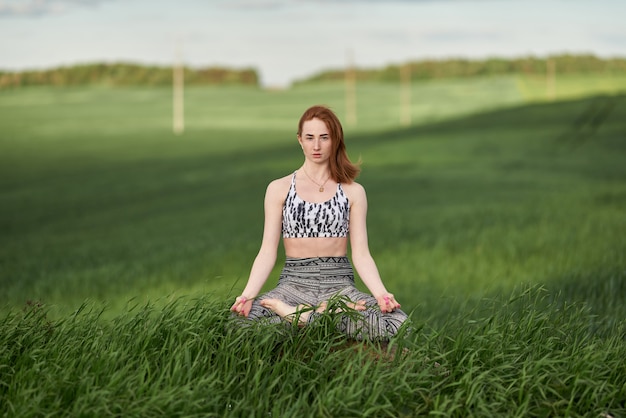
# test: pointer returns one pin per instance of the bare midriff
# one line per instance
(315, 247)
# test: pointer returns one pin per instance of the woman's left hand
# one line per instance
(387, 302)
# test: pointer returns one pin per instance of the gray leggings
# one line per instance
(311, 281)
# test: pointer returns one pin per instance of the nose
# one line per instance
(317, 144)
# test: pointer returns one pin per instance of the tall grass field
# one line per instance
(497, 218)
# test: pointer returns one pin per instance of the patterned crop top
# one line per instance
(303, 219)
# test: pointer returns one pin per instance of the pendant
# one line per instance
(321, 189)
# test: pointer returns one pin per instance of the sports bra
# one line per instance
(303, 219)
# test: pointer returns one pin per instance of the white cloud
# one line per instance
(10, 8)
(254, 4)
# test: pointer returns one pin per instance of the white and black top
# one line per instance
(303, 219)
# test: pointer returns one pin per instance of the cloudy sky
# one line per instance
(290, 39)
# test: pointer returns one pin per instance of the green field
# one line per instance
(498, 219)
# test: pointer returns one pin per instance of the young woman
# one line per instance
(315, 210)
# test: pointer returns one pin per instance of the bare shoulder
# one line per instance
(277, 189)
(354, 191)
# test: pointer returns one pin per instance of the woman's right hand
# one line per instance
(242, 306)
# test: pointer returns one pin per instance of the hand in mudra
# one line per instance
(387, 302)
(242, 306)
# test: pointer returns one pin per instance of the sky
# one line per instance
(288, 40)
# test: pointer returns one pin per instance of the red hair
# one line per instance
(342, 170)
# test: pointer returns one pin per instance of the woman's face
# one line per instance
(316, 141)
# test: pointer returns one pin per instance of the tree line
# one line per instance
(125, 74)
(456, 67)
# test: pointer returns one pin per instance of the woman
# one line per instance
(316, 209)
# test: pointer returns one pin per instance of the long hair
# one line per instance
(342, 170)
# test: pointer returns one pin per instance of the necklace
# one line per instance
(321, 186)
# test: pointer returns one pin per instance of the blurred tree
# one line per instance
(457, 67)
(122, 74)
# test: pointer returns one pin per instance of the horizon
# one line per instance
(306, 77)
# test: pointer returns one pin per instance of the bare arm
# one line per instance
(266, 258)
(361, 257)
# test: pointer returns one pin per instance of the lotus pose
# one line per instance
(317, 209)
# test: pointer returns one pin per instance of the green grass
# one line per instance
(99, 197)
(515, 357)
(497, 219)
(570, 86)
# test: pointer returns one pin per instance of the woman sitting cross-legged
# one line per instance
(317, 209)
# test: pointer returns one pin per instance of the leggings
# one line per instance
(313, 280)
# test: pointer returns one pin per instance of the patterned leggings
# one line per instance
(311, 281)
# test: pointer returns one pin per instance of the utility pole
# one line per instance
(405, 94)
(350, 91)
(178, 77)
(551, 78)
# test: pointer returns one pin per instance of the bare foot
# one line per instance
(285, 311)
(288, 312)
(321, 307)
(357, 306)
